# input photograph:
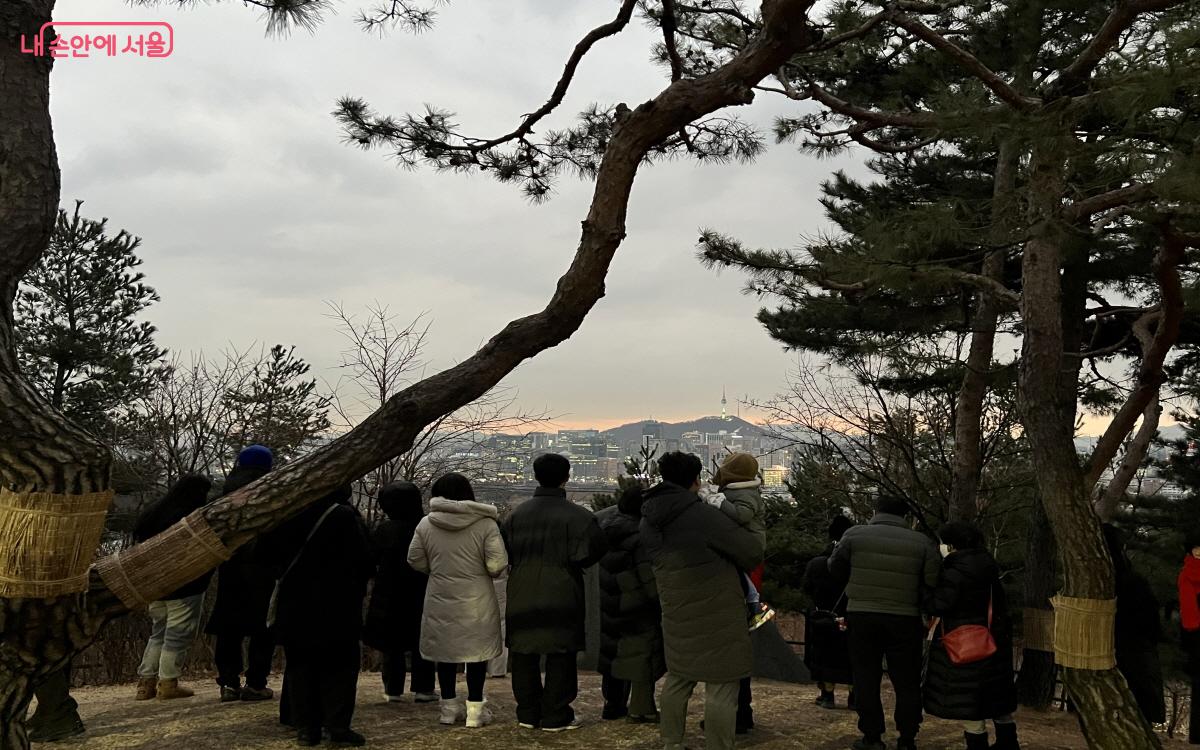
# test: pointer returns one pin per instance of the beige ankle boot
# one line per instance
(168, 689)
(146, 689)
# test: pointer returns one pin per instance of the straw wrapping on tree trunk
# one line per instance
(1084, 635)
(1038, 629)
(189, 544)
(47, 542)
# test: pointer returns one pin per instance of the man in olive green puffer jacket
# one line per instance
(698, 554)
(887, 566)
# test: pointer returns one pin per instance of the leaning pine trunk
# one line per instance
(1108, 714)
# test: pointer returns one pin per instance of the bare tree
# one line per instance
(383, 356)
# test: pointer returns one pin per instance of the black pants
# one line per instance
(227, 653)
(322, 683)
(547, 705)
(616, 696)
(54, 696)
(899, 638)
(395, 667)
(745, 713)
(447, 674)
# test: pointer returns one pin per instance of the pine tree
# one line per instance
(79, 339)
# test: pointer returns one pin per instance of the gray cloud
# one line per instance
(224, 158)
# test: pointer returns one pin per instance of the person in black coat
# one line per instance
(398, 598)
(969, 592)
(244, 586)
(550, 541)
(176, 616)
(826, 645)
(323, 562)
(631, 644)
(1138, 631)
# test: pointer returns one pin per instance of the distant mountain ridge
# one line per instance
(632, 432)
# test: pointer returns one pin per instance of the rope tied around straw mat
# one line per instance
(148, 571)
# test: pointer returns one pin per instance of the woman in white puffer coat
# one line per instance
(459, 545)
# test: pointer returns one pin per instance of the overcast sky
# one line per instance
(225, 160)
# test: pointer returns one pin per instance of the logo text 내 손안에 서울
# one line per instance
(65, 39)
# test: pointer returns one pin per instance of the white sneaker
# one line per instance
(575, 724)
(393, 698)
(453, 711)
(478, 714)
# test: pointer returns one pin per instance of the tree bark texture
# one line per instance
(1108, 714)
(39, 450)
(1035, 683)
(968, 415)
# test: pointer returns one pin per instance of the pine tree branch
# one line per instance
(858, 134)
(1115, 25)
(669, 25)
(1150, 374)
(866, 28)
(612, 28)
(916, 120)
(1082, 209)
(968, 62)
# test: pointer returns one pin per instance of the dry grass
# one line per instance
(785, 715)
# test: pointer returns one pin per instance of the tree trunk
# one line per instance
(1035, 683)
(968, 415)
(1135, 453)
(39, 450)
(1108, 713)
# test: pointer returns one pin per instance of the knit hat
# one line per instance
(256, 455)
(738, 467)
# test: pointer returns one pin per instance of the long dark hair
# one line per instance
(183, 497)
(401, 501)
(961, 535)
(453, 486)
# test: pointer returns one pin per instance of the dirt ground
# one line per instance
(784, 713)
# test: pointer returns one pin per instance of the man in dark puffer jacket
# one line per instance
(889, 567)
(550, 541)
(699, 553)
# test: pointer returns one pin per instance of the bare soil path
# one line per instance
(785, 715)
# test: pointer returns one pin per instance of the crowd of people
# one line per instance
(457, 590)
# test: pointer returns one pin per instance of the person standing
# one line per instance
(1137, 630)
(698, 554)
(176, 616)
(397, 603)
(969, 592)
(458, 544)
(244, 586)
(324, 563)
(631, 647)
(826, 643)
(1189, 622)
(888, 568)
(550, 541)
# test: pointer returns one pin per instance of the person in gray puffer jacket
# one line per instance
(888, 568)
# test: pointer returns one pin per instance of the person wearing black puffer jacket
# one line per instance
(397, 604)
(968, 587)
(631, 645)
(244, 585)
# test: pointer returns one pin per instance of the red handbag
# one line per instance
(968, 644)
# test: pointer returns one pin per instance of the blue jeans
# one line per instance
(174, 623)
